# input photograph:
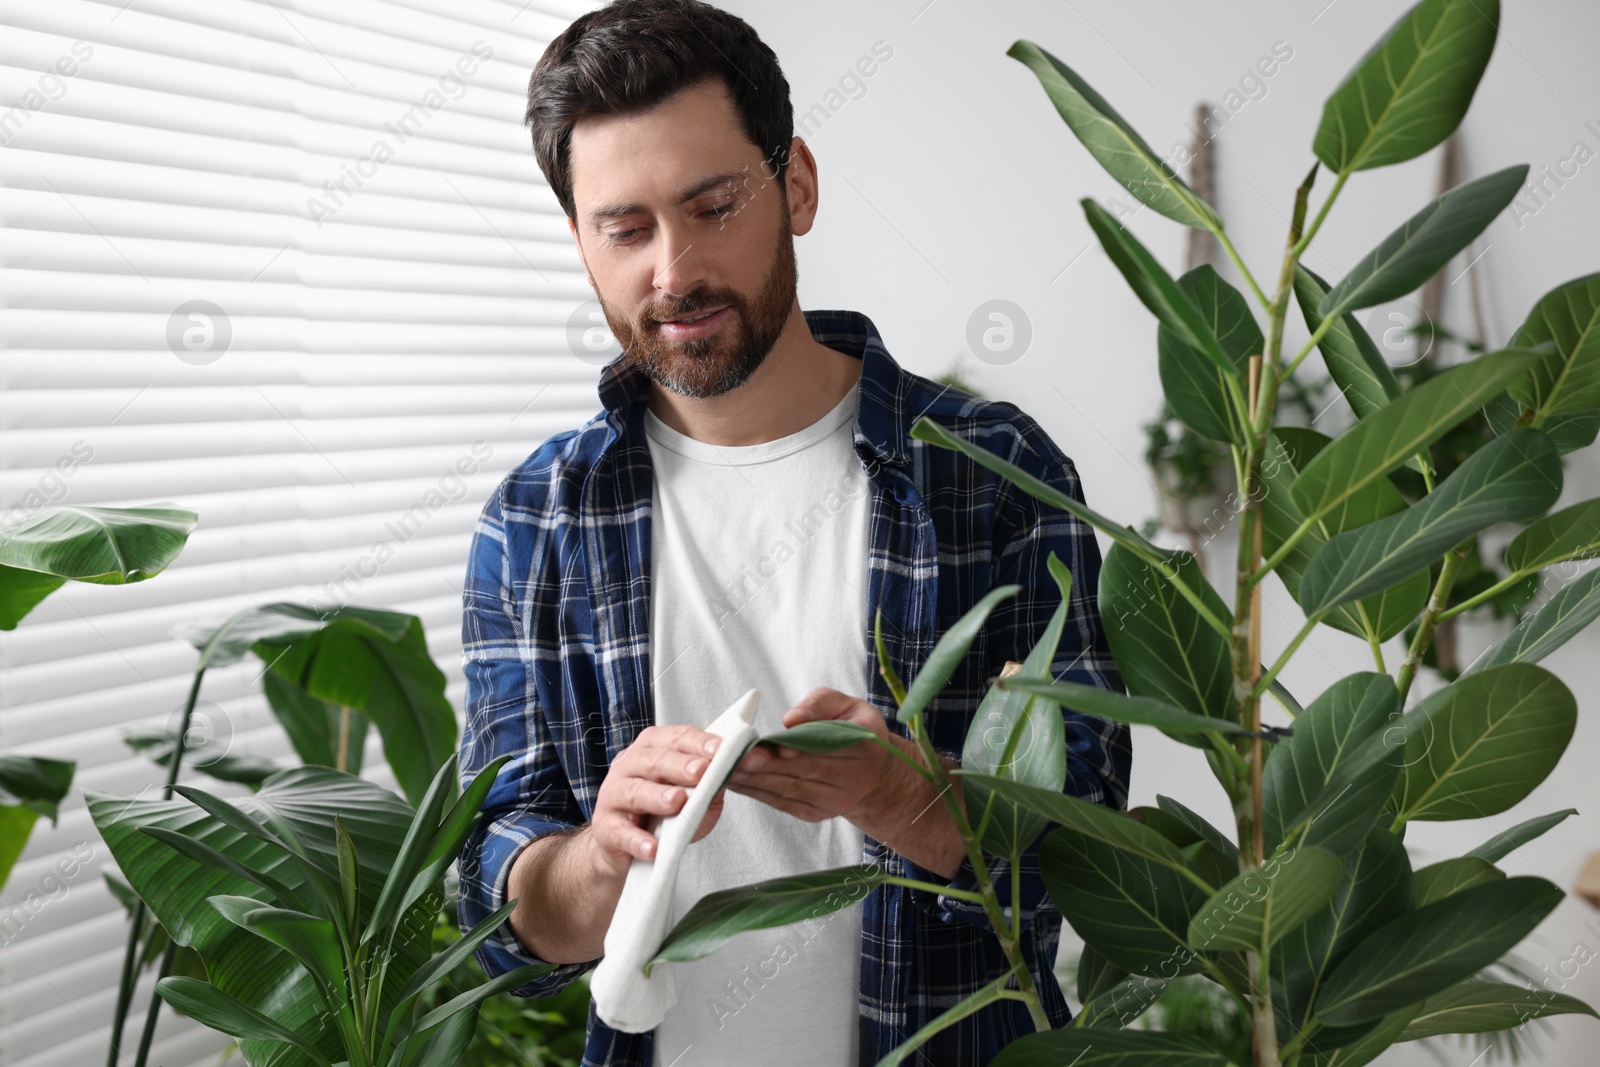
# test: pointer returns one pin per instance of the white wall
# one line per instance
(950, 181)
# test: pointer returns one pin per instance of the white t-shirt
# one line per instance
(758, 572)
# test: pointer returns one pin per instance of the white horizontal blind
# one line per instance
(349, 188)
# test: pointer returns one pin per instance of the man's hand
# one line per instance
(648, 781)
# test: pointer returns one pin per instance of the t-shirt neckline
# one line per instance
(764, 452)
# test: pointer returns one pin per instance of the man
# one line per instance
(746, 503)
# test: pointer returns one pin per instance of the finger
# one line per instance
(800, 809)
(616, 833)
(822, 703)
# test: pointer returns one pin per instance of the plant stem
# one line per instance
(1244, 272)
(1304, 242)
(1283, 660)
(942, 890)
(1453, 561)
(1488, 594)
(154, 1013)
(995, 990)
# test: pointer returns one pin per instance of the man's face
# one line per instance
(654, 254)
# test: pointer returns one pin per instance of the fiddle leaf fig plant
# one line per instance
(1307, 913)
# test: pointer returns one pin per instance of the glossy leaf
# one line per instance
(1021, 737)
(820, 735)
(1546, 629)
(1381, 442)
(1325, 739)
(1096, 975)
(1439, 880)
(1109, 138)
(1567, 382)
(316, 727)
(1197, 825)
(1484, 742)
(1569, 432)
(948, 653)
(1478, 1006)
(1430, 949)
(211, 1006)
(1425, 243)
(1140, 711)
(1382, 614)
(1194, 386)
(1510, 479)
(1363, 377)
(1155, 288)
(1108, 1048)
(1165, 649)
(106, 546)
(718, 916)
(30, 786)
(1410, 91)
(1506, 842)
(1573, 533)
(1133, 911)
(158, 746)
(1263, 904)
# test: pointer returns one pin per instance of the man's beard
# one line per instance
(711, 366)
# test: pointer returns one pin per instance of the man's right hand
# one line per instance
(648, 781)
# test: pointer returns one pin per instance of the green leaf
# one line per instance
(1324, 743)
(1155, 288)
(1361, 1046)
(1106, 704)
(312, 941)
(1506, 842)
(1110, 139)
(159, 745)
(106, 546)
(1194, 386)
(1429, 239)
(1432, 948)
(948, 653)
(1108, 1048)
(718, 916)
(1096, 975)
(1164, 648)
(1569, 432)
(1354, 363)
(1120, 1005)
(1439, 880)
(1381, 442)
(1374, 888)
(1484, 742)
(1133, 911)
(1265, 903)
(1197, 825)
(1512, 478)
(1540, 633)
(820, 735)
(29, 787)
(212, 1007)
(1572, 533)
(1567, 382)
(316, 726)
(1021, 737)
(1410, 91)
(1478, 1006)
(1381, 615)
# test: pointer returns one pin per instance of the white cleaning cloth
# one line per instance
(624, 998)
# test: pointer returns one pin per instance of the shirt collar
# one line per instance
(881, 423)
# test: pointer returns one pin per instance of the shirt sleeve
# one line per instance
(531, 796)
(1099, 753)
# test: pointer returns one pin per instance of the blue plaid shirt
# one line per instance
(555, 638)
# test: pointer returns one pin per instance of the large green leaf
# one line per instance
(1374, 889)
(1439, 880)
(1165, 650)
(948, 652)
(1485, 742)
(106, 546)
(1572, 533)
(1381, 442)
(178, 887)
(1430, 949)
(1194, 386)
(374, 661)
(30, 786)
(226, 1013)
(1556, 622)
(775, 902)
(1134, 911)
(323, 733)
(1567, 382)
(1409, 92)
(1019, 736)
(1425, 243)
(1362, 375)
(820, 735)
(1506, 842)
(1108, 1048)
(1120, 1005)
(159, 744)
(1383, 614)
(1263, 904)
(1478, 1006)
(1512, 478)
(1113, 142)
(1569, 432)
(1325, 738)
(1155, 287)
(1138, 711)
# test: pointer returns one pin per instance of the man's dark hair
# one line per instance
(632, 55)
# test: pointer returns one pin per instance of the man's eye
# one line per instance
(719, 211)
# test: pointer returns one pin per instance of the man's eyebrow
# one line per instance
(694, 189)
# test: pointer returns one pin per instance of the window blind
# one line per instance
(289, 264)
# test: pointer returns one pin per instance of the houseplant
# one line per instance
(1308, 913)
